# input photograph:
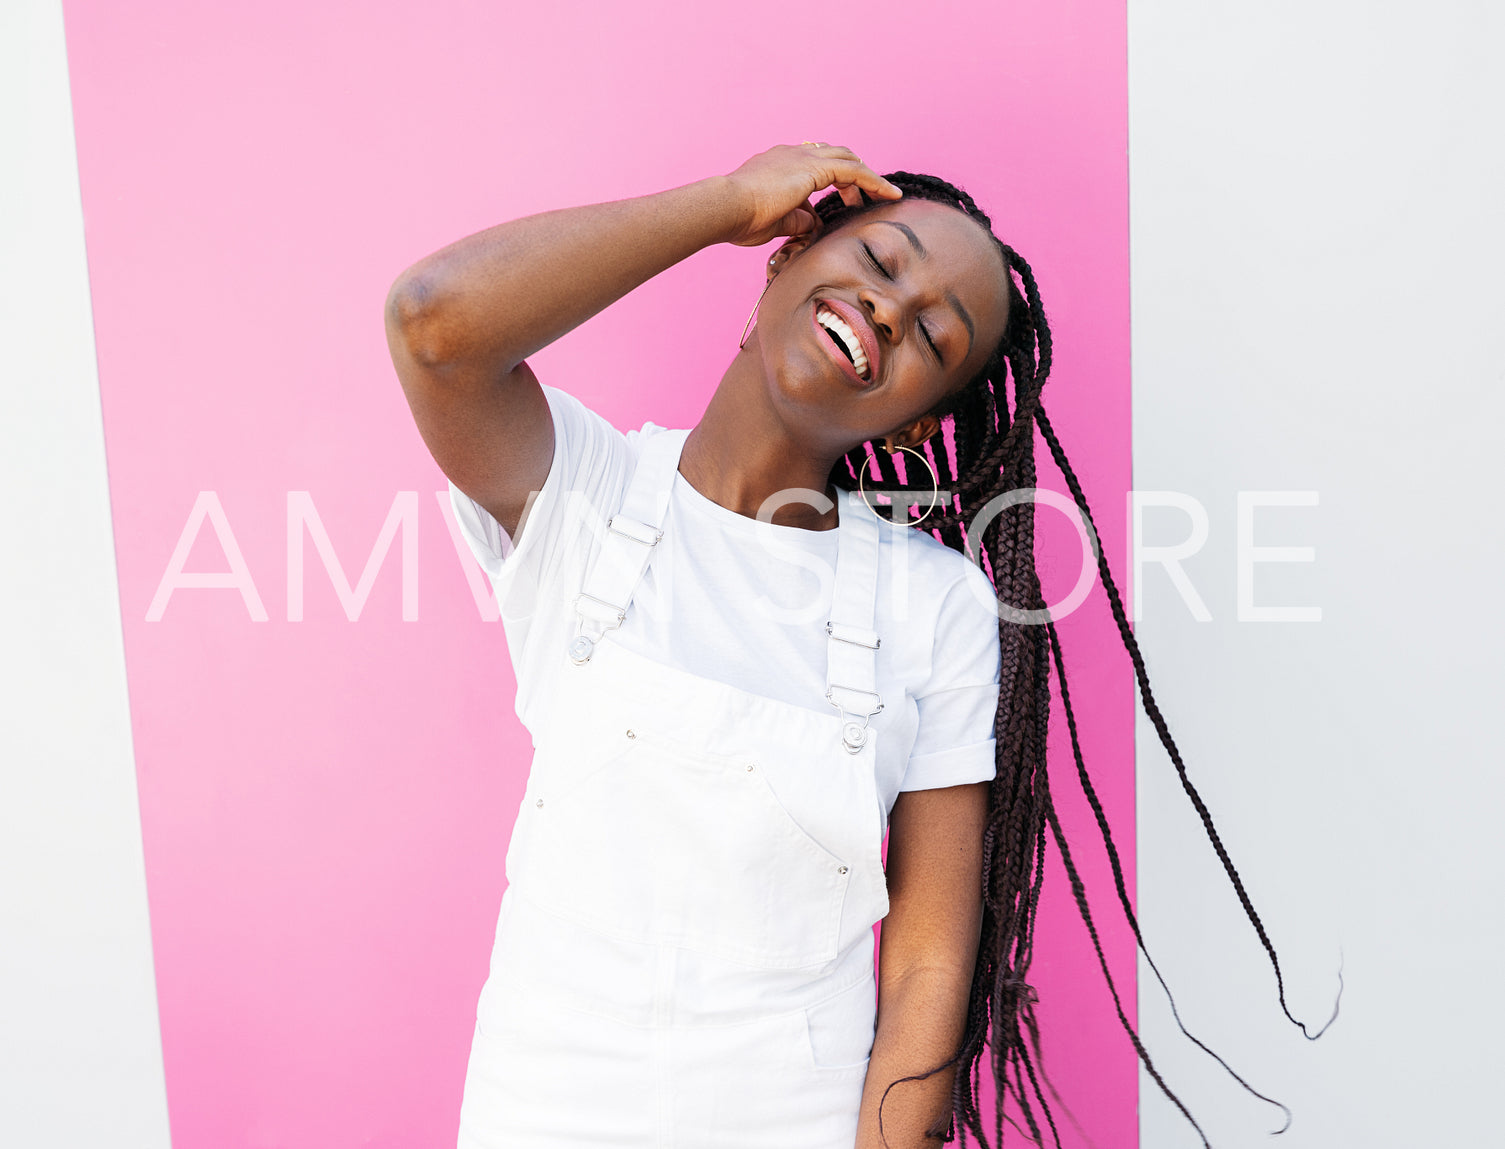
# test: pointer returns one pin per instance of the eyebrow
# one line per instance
(956, 304)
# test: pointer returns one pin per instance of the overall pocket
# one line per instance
(840, 1029)
(674, 846)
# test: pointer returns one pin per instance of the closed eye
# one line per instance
(883, 271)
(936, 351)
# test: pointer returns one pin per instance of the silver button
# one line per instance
(632, 734)
(539, 802)
(582, 646)
(749, 767)
(853, 736)
(841, 869)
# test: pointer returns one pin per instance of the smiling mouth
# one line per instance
(841, 334)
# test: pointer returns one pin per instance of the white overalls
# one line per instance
(684, 955)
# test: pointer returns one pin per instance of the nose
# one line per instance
(884, 311)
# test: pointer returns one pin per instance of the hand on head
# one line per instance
(774, 188)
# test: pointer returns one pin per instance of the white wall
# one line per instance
(80, 1053)
(1318, 266)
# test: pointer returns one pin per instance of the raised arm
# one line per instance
(461, 322)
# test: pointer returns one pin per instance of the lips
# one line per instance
(857, 321)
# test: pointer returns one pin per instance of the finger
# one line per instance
(851, 194)
(857, 173)
(800, 221)
(831, 151)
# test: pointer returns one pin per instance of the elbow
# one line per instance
(414, 320)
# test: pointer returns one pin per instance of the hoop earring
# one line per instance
(935, 498)
(741, 343)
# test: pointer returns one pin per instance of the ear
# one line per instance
(795, 244)
(787, 250)
(913, 434)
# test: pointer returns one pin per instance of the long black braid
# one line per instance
(992, 453)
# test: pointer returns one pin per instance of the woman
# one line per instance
(738, 676)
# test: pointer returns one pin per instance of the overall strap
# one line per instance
(627, 543)
(852, 643)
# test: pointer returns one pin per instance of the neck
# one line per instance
(741, 453)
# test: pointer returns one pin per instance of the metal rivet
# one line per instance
(749, 767)
(841, 869)
(540, 802)
(632, 734)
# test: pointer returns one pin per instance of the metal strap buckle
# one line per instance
(853, 732)
(873, 694)
(853, 635)
(619, 611)
(645, 528)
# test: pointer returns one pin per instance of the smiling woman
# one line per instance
(888, 300)
(854, 333)
(739, 677)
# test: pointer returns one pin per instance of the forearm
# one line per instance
(496, 297)
(921, 1017)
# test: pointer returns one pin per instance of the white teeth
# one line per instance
(840, 328)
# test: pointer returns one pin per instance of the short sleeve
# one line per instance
(954, 741)
(537, 575)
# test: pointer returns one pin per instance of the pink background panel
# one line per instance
(326, 803)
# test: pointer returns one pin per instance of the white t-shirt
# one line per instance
(744, 602)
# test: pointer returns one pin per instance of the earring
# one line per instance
(935, 498)
(741, 343)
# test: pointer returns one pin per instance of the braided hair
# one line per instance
(991, 453)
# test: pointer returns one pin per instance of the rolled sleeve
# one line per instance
(954, 738)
